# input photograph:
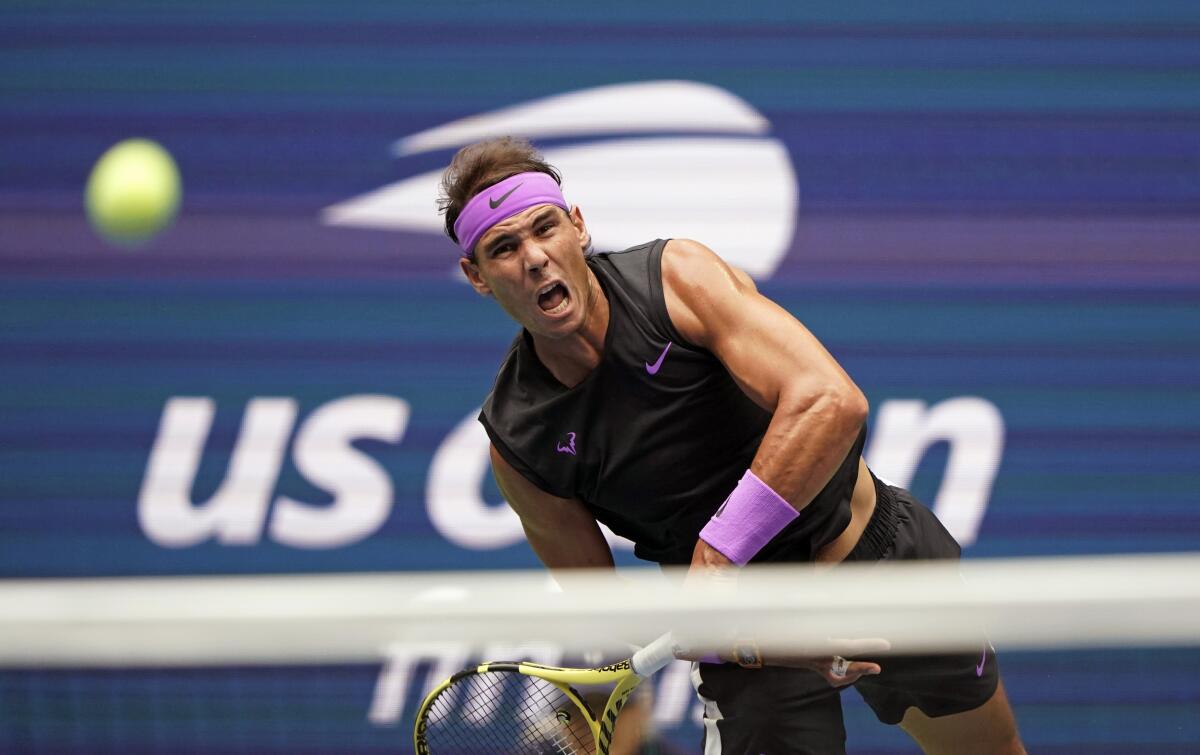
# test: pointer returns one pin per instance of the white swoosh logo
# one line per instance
(735, 190)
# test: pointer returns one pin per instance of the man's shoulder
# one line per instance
(634, 270)
(629, 255)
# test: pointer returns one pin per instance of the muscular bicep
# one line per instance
(766, 350)
(560, 530)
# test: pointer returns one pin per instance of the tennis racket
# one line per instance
(529, 708)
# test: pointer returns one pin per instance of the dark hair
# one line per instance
(483, 164)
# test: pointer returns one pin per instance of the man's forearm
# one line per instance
(806, 442)
(804, 445)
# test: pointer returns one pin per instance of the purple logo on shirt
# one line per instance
(653, 368)
(569, 447)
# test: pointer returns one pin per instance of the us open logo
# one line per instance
(656, 159)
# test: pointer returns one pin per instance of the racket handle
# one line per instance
(654, 656)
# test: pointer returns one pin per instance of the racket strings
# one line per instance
(506, 713)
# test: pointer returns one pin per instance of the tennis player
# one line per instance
(656, 391)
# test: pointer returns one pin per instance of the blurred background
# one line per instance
(989, 213)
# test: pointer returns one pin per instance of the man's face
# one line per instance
(533, 264)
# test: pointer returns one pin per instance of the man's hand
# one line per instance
(828, 668)
(707, 561)
(711, 570)
(837, 669)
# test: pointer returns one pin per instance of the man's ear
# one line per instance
(471, 270)
(576, 216)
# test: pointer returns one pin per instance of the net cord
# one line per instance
(1145, 600)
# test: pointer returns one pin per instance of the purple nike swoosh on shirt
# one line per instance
(983, 660)
(653, 368)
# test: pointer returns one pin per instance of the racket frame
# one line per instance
(601, 726)
(626, 675)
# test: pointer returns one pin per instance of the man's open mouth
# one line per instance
(553, 298)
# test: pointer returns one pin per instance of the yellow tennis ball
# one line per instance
(133, 192)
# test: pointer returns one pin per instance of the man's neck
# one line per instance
(570, 360)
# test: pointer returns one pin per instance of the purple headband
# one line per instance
(495, 203)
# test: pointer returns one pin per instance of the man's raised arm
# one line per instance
(817, 409)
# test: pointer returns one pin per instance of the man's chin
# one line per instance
(553, 329)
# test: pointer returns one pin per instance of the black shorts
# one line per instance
(784, 711)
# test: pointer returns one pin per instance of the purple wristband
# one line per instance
(749, 518)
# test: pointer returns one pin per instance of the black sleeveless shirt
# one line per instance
(655, 438)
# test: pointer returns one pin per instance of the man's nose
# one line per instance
(535, 257)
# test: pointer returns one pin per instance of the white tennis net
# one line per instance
(1099, 654)
(1147, 600)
